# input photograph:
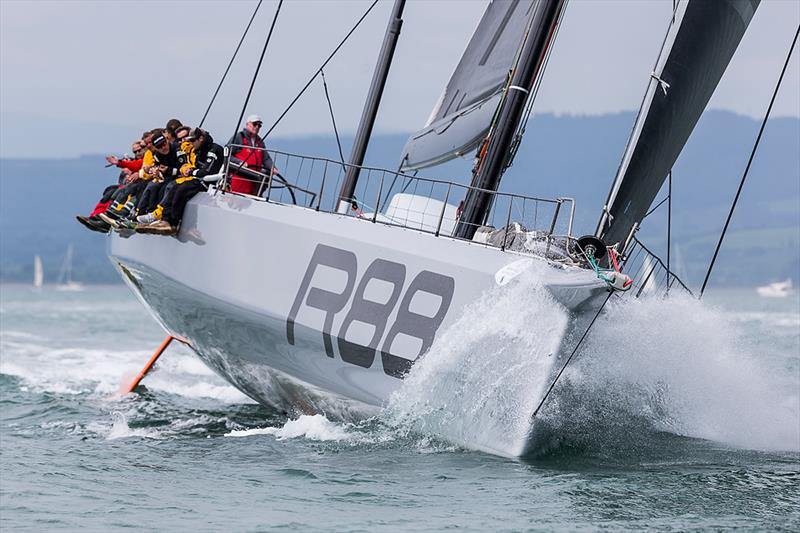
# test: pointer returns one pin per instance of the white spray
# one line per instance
(481, 379)
(683, 367)
(648, 365)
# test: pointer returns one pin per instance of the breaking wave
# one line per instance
(682, 367)
(648, 366)
(482, 378)
(75, 371)
(121, 430)
(312, 427)
(371, 433)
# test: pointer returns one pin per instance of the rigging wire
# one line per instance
(659, 204)
(324, 64)
(749, 162)
(669, 194)
(574, 351)
(398, 172)
(408, 180)
(669, 227)
(333, 119)
(535, 91)
(258, 67)
(229, 65)
(605, 220)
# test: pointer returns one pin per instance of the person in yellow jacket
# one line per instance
(188, 156)
(188, 159)
(124, 200)
(207, 159)
(148, 166)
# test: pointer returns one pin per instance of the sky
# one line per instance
(98, 73)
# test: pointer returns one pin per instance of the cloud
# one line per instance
(132, 65)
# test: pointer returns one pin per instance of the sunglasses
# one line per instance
(257, 124)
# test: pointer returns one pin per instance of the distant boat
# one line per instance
(38, 273)
(779, 289)
(65, 282)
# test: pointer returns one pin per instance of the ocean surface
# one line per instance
(675, 416)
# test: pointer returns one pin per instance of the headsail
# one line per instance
(461, 117)
(702, 39)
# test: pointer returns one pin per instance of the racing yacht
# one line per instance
(319, 293)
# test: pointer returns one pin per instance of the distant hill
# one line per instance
(572, 156)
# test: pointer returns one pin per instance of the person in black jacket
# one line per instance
(166, 169)
(208, 158)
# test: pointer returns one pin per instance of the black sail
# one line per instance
(698, 48)
(461, 117)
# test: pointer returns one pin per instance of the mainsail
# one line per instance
(701, 40)
(38, 272)
(461, 117)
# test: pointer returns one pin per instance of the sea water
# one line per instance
(674, 416)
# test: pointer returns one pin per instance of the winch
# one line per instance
(593, 250)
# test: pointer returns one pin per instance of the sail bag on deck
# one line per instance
(463, 114)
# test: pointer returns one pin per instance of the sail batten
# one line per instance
(699, 45)
(463, 113)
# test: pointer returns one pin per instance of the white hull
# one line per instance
(780, 289)
(72, 286)
(240, 270)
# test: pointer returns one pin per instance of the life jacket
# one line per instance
(188, 161)
(147, 161)
(186, 155)
(254, 157)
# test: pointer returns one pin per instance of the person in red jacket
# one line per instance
(132, 165)
(130, 172)
(248, 151)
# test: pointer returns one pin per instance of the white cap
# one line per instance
(254, 118)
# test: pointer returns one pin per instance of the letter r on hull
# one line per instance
(324, 300)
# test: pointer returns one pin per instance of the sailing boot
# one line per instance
(93, 223)
(125, 224)
(160, 227)
(149, 218)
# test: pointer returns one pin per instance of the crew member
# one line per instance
(166, 167)
(207, 160)
(249, 151)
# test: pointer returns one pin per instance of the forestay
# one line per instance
(700, 43)
(461, 117)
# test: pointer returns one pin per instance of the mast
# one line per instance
(490, 170)
(65, 273)
(371, 107)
